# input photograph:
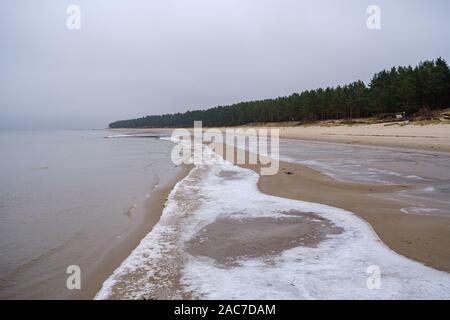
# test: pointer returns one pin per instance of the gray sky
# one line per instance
(133, 58)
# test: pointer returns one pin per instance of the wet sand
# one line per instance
(196, 247)
(419, 237)
(422, 238)
(228, 240)
(153, 206)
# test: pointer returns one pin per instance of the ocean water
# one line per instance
(369, 164)
(71, 198)
(339, 267)
(427, 171)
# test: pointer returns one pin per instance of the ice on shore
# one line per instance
(340, 267)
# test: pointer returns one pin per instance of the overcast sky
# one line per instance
(134, 58)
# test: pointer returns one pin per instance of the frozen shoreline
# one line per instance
(161, 267)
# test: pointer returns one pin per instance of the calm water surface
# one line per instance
(70, 197)
(428, 171)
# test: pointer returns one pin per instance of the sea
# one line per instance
(73, 198)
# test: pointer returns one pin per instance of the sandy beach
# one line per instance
(419, 237)
(228, 222)
(434, 137)
(423, 238)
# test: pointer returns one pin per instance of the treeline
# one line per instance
(402, 89)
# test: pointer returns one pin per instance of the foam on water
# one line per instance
(118, 136)
(429, 189)
(136, 135)
(419, 210)
(336, 268)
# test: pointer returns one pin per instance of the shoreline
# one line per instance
(153, 207)
(423, 238)
(431, 137)
(419, 237)
(195, 248)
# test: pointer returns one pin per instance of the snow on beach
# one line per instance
(163, 266)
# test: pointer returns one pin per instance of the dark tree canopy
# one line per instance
(402, 89)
